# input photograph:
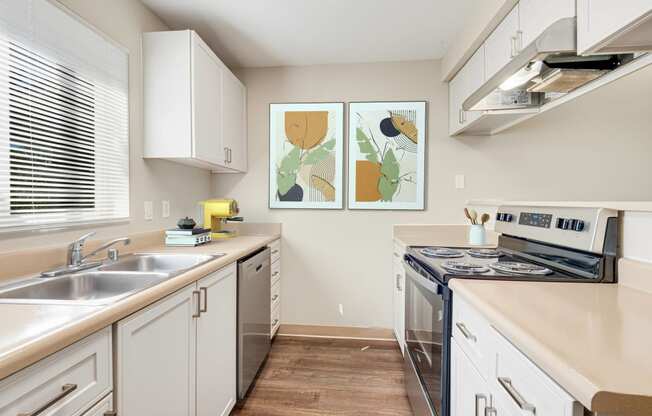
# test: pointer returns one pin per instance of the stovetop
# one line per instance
(445, 263)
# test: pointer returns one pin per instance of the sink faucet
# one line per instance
(75, 258)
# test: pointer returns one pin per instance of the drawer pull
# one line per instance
(197, 294)
(478, 398)
(506, 383)
(66, 389)
(275, 322)
(274, 298)
(398, 283)
(397, 255)
(465, 331)
(490, 411)
(205, 291)
(275, 274)
(274, 251)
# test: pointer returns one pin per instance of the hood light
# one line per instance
(523, 76)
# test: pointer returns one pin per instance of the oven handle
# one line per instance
(429, 285)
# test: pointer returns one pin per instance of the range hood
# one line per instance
(543, 71)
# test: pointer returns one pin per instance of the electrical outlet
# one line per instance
(341, 309)
(149, 210)
(165, 209)
(459, 181)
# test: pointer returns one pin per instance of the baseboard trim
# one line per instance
(338, 332)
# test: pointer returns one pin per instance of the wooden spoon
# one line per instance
(474, 216)
(485, 218)
(468, 215)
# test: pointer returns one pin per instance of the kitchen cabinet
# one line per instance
(103, 408)
(399, 294)
(501, 45)
(177, 356)
(536, 16)
(470, 394)
(275, 301)
(605, 26)
(194, 107)
(69, 382)
(216, 343)
(467, 80)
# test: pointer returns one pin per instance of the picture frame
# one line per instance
(306, 155)
(386, 155)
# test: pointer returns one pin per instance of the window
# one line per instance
(64, 149)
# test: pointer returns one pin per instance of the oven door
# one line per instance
(427, 337)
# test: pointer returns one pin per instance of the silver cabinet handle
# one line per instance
(490, 411)
(398, 283)
(275, 273)
(226, 155)
(478, 398)
(465, 331)
(274, 251)
(519, 41)
(204, 290)
(512, 52)
(66, 389)
(230, 155)
(110, 413)
(197, 294)
(274, 298)
(506, 383)
(460, 116)
(275, 322)
(397, 255)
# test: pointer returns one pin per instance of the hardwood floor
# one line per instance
(316, 376)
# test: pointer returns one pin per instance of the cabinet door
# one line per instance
(216, 343)
(155, 358)
(468, 80)
(103, 408)
(599, 21)
(399, 299)
(470, 393)
(500, 45)
(207, 105)
(234, 122)
(535, 16)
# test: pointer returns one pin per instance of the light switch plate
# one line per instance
(165, 209)
(459, 181)
(149, 211)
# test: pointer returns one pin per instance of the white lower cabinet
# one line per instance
(399, 294)
(177, 356)
(275, 299)
(67, 383)
(489, 376)
(103, 408)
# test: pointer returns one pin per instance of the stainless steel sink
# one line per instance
(105, 284)
(90, 288)
(163, 263)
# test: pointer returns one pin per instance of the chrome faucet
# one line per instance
(75, 259)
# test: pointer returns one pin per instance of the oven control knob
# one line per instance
(578, 225)
(563, 223)
(508, 217)
(499, 216)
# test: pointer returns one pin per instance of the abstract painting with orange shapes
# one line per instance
(306, 155)
(386, 155)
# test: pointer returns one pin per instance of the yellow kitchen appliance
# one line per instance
(216, 213)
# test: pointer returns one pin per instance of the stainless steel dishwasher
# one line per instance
(254, 276)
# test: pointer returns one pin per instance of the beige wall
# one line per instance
(124, 21)
(596, 148)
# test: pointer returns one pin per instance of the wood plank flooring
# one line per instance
(316, 376)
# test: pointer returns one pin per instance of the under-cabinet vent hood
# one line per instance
(543, 71)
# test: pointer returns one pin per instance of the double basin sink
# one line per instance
(105, 284)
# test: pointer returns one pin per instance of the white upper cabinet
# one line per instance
(194, 107)
(501, 46)
(607, 26)
(467, 80)
(535, 16)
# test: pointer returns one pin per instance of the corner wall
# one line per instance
(595, 148)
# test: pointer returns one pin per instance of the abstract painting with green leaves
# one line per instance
(386, 155)
(306, 151)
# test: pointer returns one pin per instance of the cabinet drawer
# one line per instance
(276, 271)
(275, 246)
(101, 409)
(398, 253)
(474, 335)
(522, 388)
(275, 295)
(71, 380)
(276, 321)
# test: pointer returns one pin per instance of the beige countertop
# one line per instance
(594, 340)
(29, 333)
(446, 235)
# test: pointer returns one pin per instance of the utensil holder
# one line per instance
(477, 235)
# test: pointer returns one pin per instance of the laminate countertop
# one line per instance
(444, 235)
(29, 333)
(594, 340)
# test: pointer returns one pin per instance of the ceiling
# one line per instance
(256, 33)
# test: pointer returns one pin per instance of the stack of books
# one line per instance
(179, 237)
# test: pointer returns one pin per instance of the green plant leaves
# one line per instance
(365, 146)
(285, 181)
(389, 179)
(286, 176)
(319, 153)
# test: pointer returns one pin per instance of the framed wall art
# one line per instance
(387, 155)
(306, 153)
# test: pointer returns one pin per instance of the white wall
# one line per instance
(596, 148)
(124, 21)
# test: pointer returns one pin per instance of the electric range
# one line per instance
(543, 244)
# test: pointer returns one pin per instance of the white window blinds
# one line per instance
(64, 145)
